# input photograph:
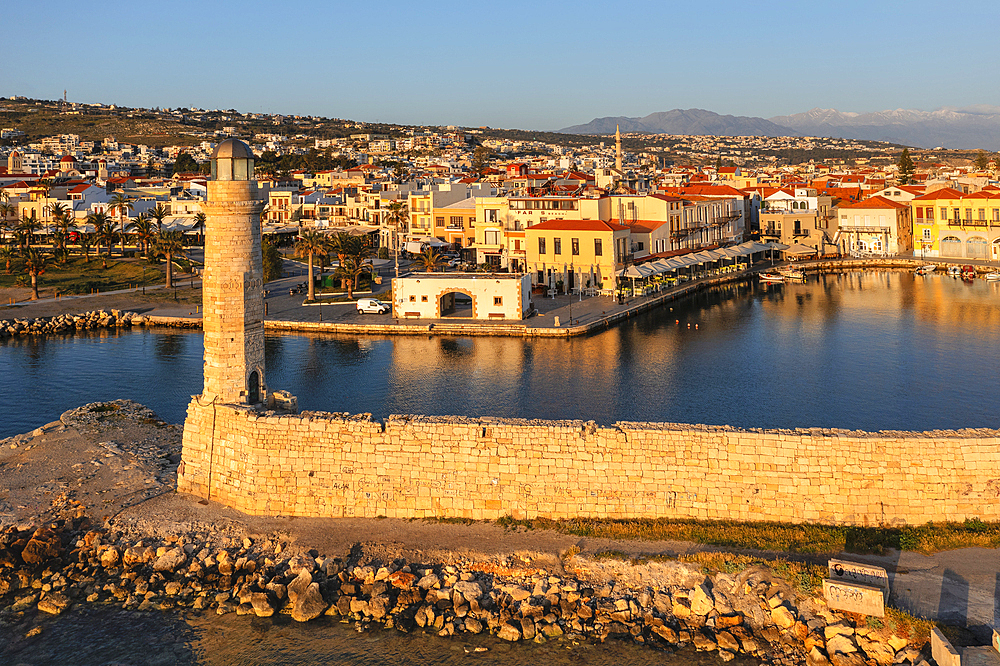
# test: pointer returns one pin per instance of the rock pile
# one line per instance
(68, 323)
(52, 566)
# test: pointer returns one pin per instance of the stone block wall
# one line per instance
(334, 465)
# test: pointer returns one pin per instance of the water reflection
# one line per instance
(855, 350)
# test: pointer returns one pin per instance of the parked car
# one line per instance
(372, 306)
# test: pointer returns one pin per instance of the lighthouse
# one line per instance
(233, 281)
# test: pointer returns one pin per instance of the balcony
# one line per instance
(957, 222)
(723, 220)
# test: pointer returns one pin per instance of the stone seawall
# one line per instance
(333, 465)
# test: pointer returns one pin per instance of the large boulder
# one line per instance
(170, 560)
(43, 546)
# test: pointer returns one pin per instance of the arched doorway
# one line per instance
(975, 247)
(996, 250)
(253, 388)
(457, 304)
(951, 247)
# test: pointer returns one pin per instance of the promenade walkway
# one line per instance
(559, 316)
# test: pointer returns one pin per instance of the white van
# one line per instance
(372, 306)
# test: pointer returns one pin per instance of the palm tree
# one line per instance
(398, 214)
(311, 243)
(199, 223)
(100, 221)
(7, 210)
(159, 213)
(85, 241)
(170, 244)
(106, 236)
(143, 231)
(34, 265)
(7, 256)
(430, 260)
(120, 203)
(28, 226)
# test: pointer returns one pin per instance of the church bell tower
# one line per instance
(233, 280)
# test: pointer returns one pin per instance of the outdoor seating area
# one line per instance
(654, 276)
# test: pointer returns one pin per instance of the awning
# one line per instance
(799, 248)
(415, 247)
(433, 242)
(640, 271)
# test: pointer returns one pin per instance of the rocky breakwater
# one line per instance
(87, 321)
(47, 568)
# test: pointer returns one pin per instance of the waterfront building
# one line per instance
(487, 296)
(876, 225)
(950, 224)
(576, 254)
(798, 216)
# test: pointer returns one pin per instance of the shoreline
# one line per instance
(126, 539)
(160, 550)
(125, 316)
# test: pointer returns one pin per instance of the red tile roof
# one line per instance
(578, 225)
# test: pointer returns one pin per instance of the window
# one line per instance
(557, 246)
(491, 237)
(455, 222)
(517, 246)
(491, 215)
(982, 214)
(439, 221)
(498, 300)
(968, 214)
(930, 214)
(944, 214)
(413, 299)
(423, 299)
(598, 250)
(541, 277)
(927, 235)
(576, 246)
(541, 246)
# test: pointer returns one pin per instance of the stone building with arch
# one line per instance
(496, 296)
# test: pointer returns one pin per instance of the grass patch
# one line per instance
(78, 276)
(779, 537)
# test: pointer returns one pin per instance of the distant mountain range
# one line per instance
(970, 128)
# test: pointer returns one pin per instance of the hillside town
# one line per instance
(571, 217)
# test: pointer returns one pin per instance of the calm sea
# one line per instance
(878, 350)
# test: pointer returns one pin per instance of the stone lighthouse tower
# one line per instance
(233, 282)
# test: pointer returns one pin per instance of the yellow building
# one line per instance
(950, 224)
(577, 253)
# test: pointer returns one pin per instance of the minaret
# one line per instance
(233, 285)
(618, 148)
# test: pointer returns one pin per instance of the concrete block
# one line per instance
(943, 652)
(862, 599)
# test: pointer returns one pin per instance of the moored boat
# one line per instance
(926, 270)
(954, 271)
(771, 277)
(790, 273)
(968, 272)
(992, 276)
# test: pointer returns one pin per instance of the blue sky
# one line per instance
(529, 65)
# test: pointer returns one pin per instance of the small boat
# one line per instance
(954, 271)
(968, 272)
(992, 276)
(790, 273)
(772, 277)
(926, 270)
